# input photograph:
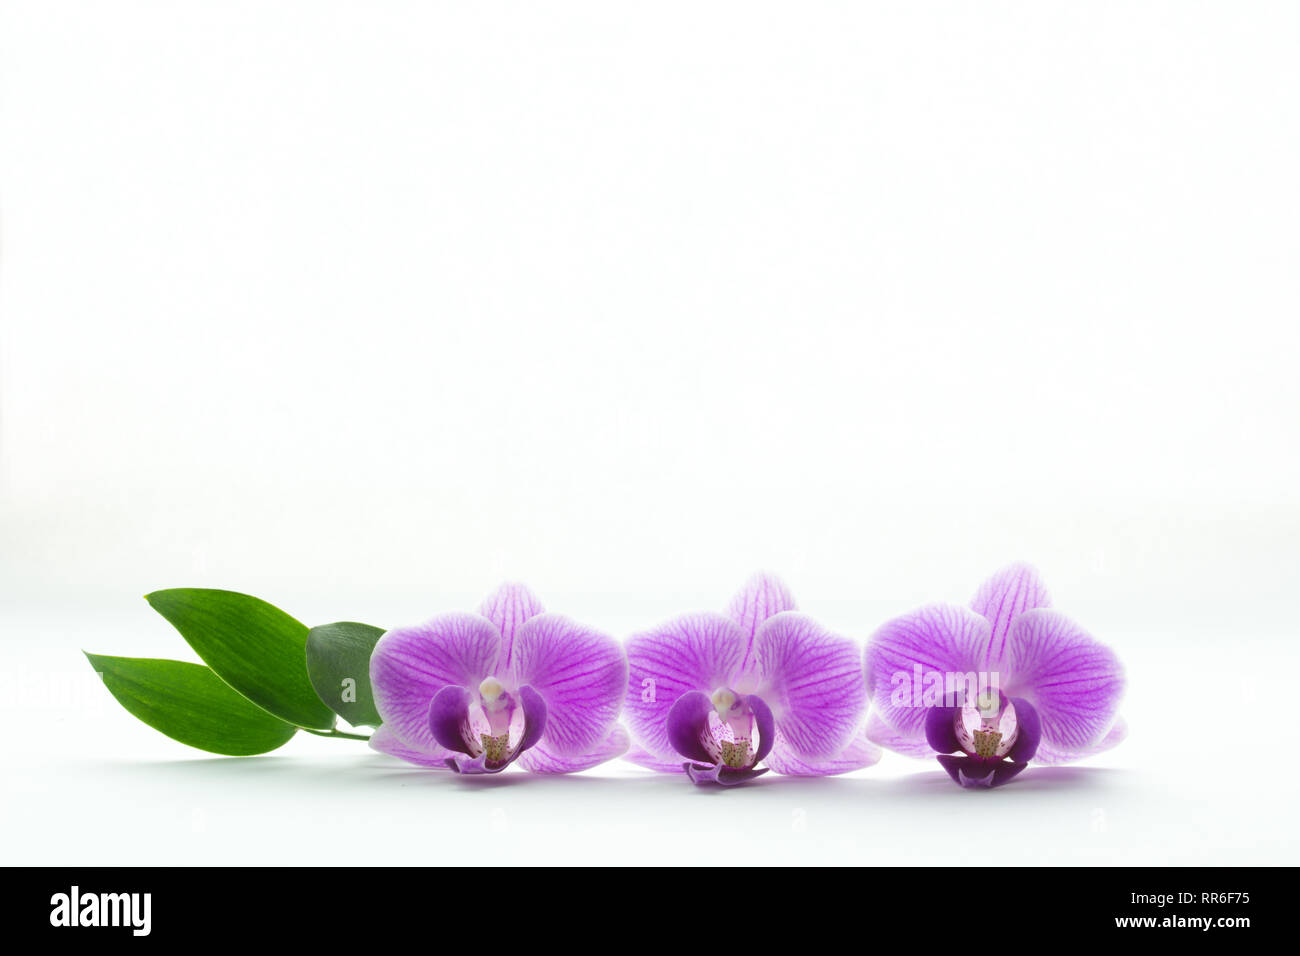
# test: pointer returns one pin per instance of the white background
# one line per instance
(362, 308)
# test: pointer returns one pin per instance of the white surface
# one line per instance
(1203, 780)
(362, 309)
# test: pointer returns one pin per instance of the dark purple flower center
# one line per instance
(986, 725)
(491, 727)
(986, 740)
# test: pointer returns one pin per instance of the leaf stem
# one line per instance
(335, 733)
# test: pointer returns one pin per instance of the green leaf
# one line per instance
(189, 703)
(338, 663)
(253, 646)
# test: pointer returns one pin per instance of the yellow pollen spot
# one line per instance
(986, 742)
(735, 754)
(496, 749)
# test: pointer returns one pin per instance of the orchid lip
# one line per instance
(489, 733)
(974, 773)
(986, 726)
(981, 745)
(721, 775)
(723, 736)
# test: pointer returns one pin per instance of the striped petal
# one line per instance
(812, 680)
(860, 753)
(579, 672)
(1003, 598)
(879, 732)
(540, 759)
(638, 755)
(1072, 680)
(410, 665)
(508, 607)
(926, 645)
(1053, 756)
(386, 742)
(763, 596)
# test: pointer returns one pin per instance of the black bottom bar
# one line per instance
(311, 906)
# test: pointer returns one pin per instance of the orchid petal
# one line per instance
(1072, 680)
(1051, 756)
(581, 674)
(939, 639)
(859, 754)
(410, 665)
(812, 679)
(386, 742)
(1003, 598)
(763, 596)
(643, 758)
(541, 760)
(508, 607)
(697, 652)
(879, 732)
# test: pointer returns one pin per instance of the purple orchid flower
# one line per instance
(762, 684)
(993, 686)
(476, 692)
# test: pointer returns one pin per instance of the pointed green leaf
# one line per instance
(189, 703)
(338, 663)
(253, 646)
